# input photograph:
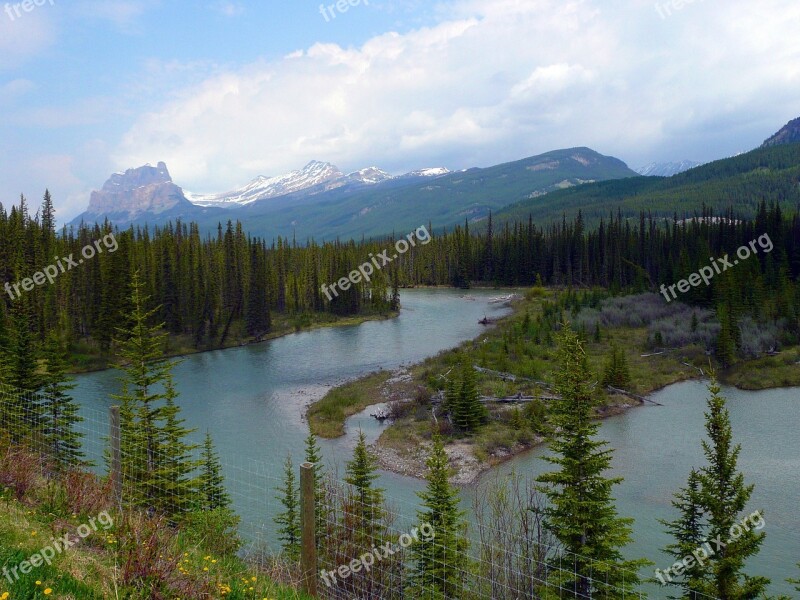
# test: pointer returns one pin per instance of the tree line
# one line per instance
(214, 291)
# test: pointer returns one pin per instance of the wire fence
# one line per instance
(363, 548)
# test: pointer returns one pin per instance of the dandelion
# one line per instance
(48, 591)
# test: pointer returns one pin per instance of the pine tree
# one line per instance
(172, 477)
(723, 497)
(211, 483)
(60, 412)
(581, 511)
(688, 531)
(145, 377)
(439, 560)
(469, 412)
(288, 520)
(314, 456)
(361, 473)
(23, 408)
(726, 344)
(616, 373)
(450, 401)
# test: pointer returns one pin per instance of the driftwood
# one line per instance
(692, 366)
(517, 398)
(509, 376)
(632, 395)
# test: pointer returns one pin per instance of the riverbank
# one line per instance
(85, 360)
(402, 447)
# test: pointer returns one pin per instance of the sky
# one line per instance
(226, 90)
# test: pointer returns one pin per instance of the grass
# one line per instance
(327, 417)
(126, 555)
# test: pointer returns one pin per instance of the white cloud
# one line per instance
(492, 81)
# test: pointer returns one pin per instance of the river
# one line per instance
(252, 400)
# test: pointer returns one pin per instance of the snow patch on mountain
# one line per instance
(667, 169)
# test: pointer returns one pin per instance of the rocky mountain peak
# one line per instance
(136, 191)
(788, 134)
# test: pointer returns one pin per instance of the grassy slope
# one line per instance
(91, 570)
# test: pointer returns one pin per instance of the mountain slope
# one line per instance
(741, 182)
(402, 204)
(667, 169)
(320, 202)
(143, 195)
(788, 134)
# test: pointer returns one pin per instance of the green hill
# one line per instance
(741, 182)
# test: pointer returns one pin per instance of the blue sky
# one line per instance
(223, 91)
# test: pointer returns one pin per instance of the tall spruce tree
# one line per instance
(60, 411)
(469, 412)
(313, 455)
(361, 473)
(147, 406)
(211, 483)
(440, 560)
(173, 476)
(689, 533)
(24, 411)
(616, 373)
(723, 497)
(288, 520)
(581, 512)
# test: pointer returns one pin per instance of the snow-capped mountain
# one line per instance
(313, 174)
(667, 169)
(430, 172)
(370, 175)
(314, 178)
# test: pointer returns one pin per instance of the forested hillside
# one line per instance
(230, 286)
(741, 183)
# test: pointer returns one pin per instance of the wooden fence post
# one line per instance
(116, 454)
(308, 547)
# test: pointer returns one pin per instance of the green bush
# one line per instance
(213, 530)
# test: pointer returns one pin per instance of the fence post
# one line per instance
(116, 454)
(308, 547)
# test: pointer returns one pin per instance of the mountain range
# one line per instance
(319, 201)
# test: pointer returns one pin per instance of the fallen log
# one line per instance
(698, 368)
(632, 395)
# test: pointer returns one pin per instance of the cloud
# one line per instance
(229, 9)
(24, 37)
(491, 81)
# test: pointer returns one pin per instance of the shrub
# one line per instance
(213, 530)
